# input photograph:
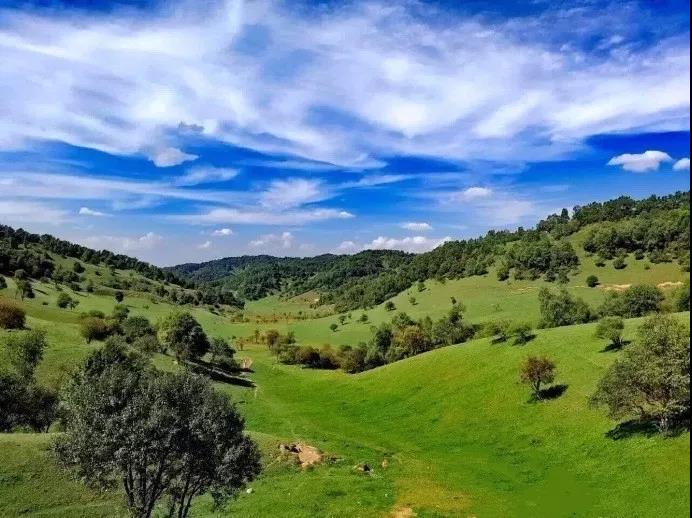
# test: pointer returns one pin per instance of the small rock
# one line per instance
(249, 490)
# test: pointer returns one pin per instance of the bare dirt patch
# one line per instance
(304, 454)
(402, 512)
(614, 287)
(669, 284)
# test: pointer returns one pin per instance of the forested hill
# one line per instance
(657, 227)
(31, 257)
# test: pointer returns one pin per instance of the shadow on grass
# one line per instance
(553, 392)
(645, 428)
(218, 375)
(615, 347)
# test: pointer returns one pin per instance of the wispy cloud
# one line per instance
(202, 175)
(367, 80)
(416, 226)
(222, 232)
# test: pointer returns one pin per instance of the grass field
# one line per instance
(456, 428)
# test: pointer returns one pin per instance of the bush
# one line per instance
(147, 344)
(389, 306)
(94, 328)
(592, 281)
(12, 316)
(3, 283)
(682, 297)
(25, 351)
(136, 327)
(636, 301)
(619, 263)
(63, 300)
(523, 333)
(562, 309)
(611, 328)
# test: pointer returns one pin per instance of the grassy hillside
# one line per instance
(456, 428)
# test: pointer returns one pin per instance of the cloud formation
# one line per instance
(339, 86)
(86, 211)
(682, 165)
(416, 226)
(170, 156)
(649, 160)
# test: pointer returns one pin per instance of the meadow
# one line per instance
(447, 433)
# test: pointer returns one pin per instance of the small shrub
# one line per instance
(592, 281)
(94, 328)
(12, 316)
(619, 263)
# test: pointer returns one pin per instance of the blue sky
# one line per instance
(184, 131)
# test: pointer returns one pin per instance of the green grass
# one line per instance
(459, 433)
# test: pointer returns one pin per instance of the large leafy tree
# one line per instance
(164, 438)
(652, 380)
(182, 334)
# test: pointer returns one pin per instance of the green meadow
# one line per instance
(447, 433)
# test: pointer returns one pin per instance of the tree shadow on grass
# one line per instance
(553, 392)
(215, 374)
(645, 428)
(612, 347)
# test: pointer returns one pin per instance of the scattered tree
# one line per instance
(652, 380)
(25, 351)
(119, 296)
(611, 328)
(165, 438)
(333, 327)
(562, 309)
(183, 335)
(94, 328)
(536, 372)
(389, 306)
(592, 281)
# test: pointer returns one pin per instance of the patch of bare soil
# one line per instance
(669, 284)
(402, 512)
(304, 454)
(614, 287)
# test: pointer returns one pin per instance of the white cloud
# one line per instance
(284, 240)
(475, 193)
(682, 165)
(170, 156)
(416, 226)
(204, 246)
(125, 244)
(347, 247)
(641, 162)
(414, 81)
(265, 217)
(21, 212)
(414, 244)
(222, 232)
(293, 192)
(201, 175)
(86, 211)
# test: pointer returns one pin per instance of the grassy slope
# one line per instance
(456, 426)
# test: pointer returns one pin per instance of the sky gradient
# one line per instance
(185, 131)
